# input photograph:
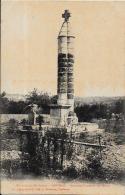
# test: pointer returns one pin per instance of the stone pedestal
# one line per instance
(59, 114)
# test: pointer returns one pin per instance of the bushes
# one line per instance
(107, 165)
(71, 171)
(113, 162)
(12, 126)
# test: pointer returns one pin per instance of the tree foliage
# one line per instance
(43, 100)
(4, 103)
(85, 112)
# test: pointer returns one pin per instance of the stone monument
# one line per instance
(62, 113)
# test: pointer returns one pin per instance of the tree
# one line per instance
(43, 100)
(16, 107)
(4, 103)
(54, 99)
(119, 106)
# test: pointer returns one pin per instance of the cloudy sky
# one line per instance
(29, 46)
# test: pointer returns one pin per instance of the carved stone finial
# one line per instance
(66, 15)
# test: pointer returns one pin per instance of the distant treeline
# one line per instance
(88, 112)
(85, 112)
(43, 100)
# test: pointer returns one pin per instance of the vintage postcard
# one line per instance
(62, 100)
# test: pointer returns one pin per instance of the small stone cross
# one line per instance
(66, 15)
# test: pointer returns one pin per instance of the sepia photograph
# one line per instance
(62, 99)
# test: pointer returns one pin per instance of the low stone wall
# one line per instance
(6, 117)
(80, 127)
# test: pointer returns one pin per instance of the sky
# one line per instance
(29, 46)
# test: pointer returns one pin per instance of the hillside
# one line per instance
(97, 100)
(78, 100)
(16, 97)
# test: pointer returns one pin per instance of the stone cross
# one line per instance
(66, 15)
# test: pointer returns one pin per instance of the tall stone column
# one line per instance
(65, 63)
(62, 65)
(70, 76)
(62, 113)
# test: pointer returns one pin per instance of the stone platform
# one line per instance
(59, 114)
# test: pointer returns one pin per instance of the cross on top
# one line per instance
(66, 15)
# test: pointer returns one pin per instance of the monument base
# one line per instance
(59, 114)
